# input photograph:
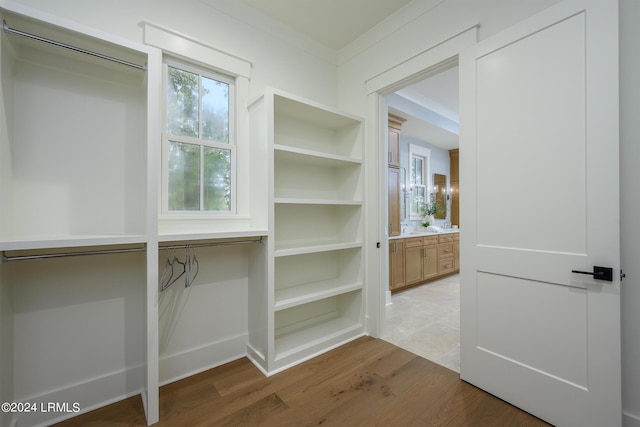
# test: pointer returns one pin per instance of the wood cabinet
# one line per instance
(395, 124)
(394, 201)
(454, 173)
(396, 264)
(394, 182)
(423, 259)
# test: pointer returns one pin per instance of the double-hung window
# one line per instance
(419, 158)
(199, 146)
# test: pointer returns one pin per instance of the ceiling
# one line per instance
(336, 23)
(436, 94)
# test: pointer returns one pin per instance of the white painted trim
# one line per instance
(376, 265)
(89, 395)
(630, 420)
(438, 56)
(201, 359)
(183, 46)
(73, 26)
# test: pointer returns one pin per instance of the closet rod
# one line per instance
(73, 48)
(6, 258)
(202, 245)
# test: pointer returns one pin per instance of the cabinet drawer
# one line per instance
(446, 265)
(445, 251)
(413, 242)
(446, 238)
(430, 240)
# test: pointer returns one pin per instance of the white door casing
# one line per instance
(539, 198)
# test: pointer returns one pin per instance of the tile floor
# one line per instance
(426, 320)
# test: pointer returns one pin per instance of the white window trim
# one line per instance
(231, 145)
(425, 153)
(179, 45)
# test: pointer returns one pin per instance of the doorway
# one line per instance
(425, 317)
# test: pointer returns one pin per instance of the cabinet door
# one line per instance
(456, 256)
(394, 202)
(396, 264)
(429, 262)
(394, 147)
(413, 260)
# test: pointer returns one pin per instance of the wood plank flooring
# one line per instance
(368, 382)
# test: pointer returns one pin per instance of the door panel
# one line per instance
(542, 328)
(543, 180)
(539, 172)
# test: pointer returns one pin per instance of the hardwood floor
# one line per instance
(368, 382)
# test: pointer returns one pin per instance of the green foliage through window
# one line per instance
(198, 121)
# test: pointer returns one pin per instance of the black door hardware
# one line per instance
(599, 273)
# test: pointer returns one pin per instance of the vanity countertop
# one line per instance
(424, 233)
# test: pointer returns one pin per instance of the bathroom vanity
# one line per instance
(416, 258)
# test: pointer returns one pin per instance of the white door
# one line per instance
(539, 198)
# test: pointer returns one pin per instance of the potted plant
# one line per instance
(428, 210)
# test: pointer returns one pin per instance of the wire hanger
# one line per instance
(173, 263)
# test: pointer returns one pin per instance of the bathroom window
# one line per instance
(198, 145)
(418, 179)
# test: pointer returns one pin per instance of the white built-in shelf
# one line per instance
(69, 241)
(316, 199)
(302, 294)
(294, 201)
(298, 248)
(325, 331)
(240, 234)
(296, 155)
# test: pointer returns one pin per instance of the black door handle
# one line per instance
(599, 273)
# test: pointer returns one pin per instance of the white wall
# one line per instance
(423, 25)
(279, 60)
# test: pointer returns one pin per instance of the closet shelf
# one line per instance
(335, 329)
(288, 249)
(297, 155)
(302, 294)
(318, 201)
(69, 241)
(177, 237)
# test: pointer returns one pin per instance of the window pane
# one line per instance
(215, 110)
(184, 176)
(182, 103)
(217, 179)
(419, 193)
(416, 169)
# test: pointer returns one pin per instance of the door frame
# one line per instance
(429, 62)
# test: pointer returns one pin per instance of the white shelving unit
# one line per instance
(76, 153)
(315, 290)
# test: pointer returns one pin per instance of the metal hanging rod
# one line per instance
(69, 47)
(202, 245)
(6, 258)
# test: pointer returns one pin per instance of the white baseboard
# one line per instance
(81, 397)
(181, 365)
(387, 299)
(630, 420)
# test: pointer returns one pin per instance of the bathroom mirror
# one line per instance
(440, 189)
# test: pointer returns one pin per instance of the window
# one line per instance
(199, 147)
(418, 179)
